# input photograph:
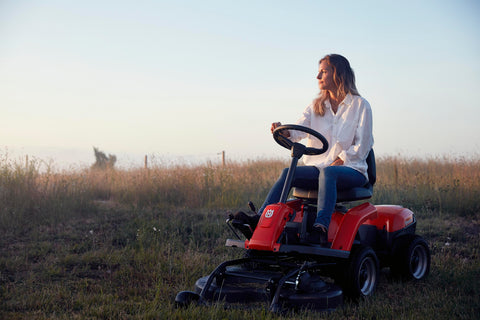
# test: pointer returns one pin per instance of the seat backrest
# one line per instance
(372, 169)
(365, 192)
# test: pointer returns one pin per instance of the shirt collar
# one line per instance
(348, 100)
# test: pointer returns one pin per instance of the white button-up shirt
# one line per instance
(348, 132)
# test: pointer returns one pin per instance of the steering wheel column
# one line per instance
(298, 150)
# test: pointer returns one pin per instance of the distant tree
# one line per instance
(102, 161)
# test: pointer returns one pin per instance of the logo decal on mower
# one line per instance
(269, 213)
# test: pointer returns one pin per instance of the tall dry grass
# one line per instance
(439, 186)
(205, 186)
(31, 196)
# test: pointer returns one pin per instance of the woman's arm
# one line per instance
(305, 120)
(363, 141)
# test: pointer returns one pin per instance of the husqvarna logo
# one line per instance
(269, 213)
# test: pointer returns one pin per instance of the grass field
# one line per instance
(119, 244)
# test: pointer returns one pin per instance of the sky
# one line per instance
(185, 80)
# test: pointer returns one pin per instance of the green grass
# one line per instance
(121, 244)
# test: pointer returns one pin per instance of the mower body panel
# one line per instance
(270, 227)
(391, 218)
(345, 227)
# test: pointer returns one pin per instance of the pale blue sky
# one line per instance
(193, 78)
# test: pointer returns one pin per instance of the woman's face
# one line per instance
(325, 77)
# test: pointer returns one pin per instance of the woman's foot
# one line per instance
(247, 218)
(245, 222)
(320, 234)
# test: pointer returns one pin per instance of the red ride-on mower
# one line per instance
(284, 268)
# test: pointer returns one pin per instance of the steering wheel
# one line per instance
(287, 143)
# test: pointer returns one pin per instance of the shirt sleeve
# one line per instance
(305, 120)
(363, 140)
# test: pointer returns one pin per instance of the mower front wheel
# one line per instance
(362, 273)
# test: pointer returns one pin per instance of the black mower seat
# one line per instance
(348, 195)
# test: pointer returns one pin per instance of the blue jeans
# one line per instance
(327, 180)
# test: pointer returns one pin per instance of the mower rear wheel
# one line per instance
(362, 273)
(411, 258)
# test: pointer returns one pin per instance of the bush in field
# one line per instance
(102, 161)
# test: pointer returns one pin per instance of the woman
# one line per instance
(345, 119)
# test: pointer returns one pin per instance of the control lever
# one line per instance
(252, 207)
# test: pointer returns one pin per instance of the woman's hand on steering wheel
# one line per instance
(283, 140)
(274, 126)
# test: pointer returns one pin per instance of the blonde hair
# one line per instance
(344, 80)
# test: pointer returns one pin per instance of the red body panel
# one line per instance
(269, 227)
(391, 218)
(345, 228)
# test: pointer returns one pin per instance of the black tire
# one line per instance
(362, 273)
(411, 258)
(185, 298)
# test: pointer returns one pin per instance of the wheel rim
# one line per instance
(418, 262)
(367, 276)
